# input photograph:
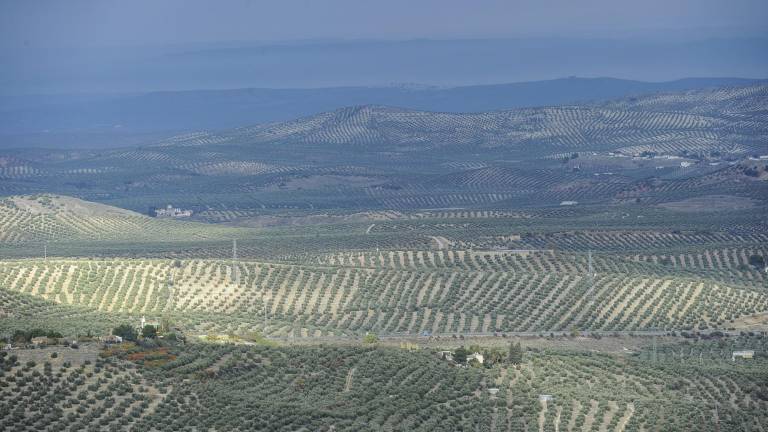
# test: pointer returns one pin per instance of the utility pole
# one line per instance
(265, 317)
(169, 284)
(591, 276)
(235, 275)
(591, 281)
(717, 419)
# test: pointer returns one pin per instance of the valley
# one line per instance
(318, 270)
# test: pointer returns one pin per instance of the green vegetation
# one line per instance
(570, 229)
(125, 331)
(149, 332)
(353, 388)
(515, 353)
(21, 336)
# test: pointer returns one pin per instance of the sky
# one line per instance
(118, 46)
(81, 23)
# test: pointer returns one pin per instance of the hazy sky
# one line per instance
(38, 23)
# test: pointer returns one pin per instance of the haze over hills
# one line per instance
(81, 121)
(318, 63)
(685, 144)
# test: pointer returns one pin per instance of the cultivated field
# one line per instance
(327, 260)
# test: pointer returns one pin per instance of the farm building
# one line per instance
(170, 212)
(744, 354)
(144, 323)
(112, 339)
(40, 340)
(546, 398)
(445, 355)
(475, 356)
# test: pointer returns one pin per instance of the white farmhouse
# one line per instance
(112, 339)
(475, 356)
(743, 354)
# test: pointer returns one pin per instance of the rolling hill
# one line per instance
(622, 243)
(138, 116)
(651, 148)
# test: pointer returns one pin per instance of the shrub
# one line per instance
(149, 332)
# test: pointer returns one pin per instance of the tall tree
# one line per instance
(149, 332)
(515, 353)
(460, 355)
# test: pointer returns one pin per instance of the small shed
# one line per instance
(445, 355)
(743, 354)
(546, 398)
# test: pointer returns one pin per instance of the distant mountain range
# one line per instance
(127, 119)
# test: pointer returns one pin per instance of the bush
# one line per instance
(757, 261)
(149, 332)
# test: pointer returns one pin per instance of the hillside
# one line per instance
(622, 245)
(55, 218)
(650, 148)
(405, 292)
(363, 388)
(139, 115)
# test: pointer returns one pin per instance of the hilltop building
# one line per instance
(169, 212)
